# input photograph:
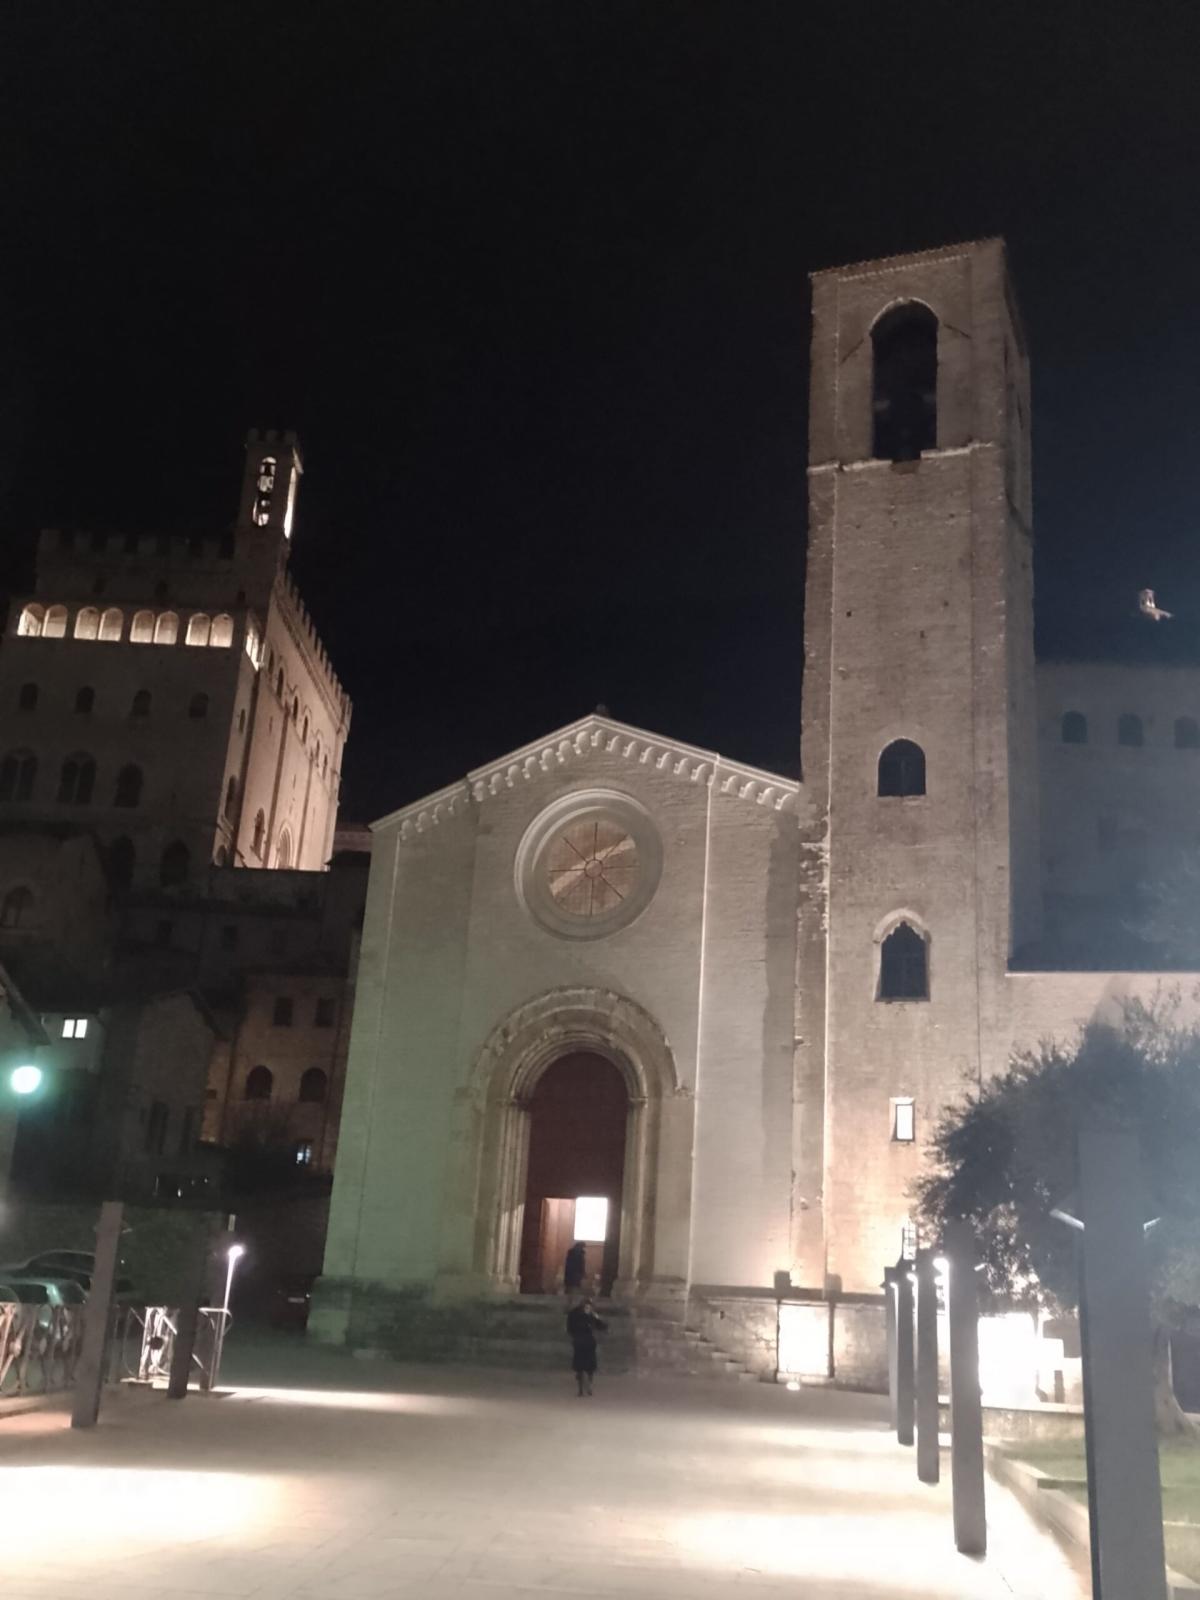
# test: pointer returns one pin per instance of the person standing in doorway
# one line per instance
(574, 1267)
(582, 1327)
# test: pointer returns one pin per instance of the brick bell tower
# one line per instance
(918, 730)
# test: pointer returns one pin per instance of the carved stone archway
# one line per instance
(494, 1137)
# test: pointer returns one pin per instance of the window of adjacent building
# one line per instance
(28, 698)
(313, 1086)
(156, 1128)
(904, 383)
(129, 786)
(87, 622)
(17, 772)
(166, 628)
(112, 625)
(326, 1009)
(904, 965)
(85, 700)
(75, 1027)
(1187, 733)
(281, 1015)
(222, 632)
(55, 626)
(76, 780)
(16, 908)
(259, 1083)
(303, 1151)
(1074, 728)
(198, 629)
(141, 629)
(1130, 730)
(229, 936)
(141, 704)
(175, 864)
(902, 769)
(904, 1120)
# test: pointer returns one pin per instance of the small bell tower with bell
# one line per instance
(270, 480)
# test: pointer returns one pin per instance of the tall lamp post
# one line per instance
(232, 1256)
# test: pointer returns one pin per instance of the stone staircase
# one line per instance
(528, 1333)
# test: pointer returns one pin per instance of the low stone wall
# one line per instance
(838, 1341)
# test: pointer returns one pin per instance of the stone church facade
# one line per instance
(790, 979)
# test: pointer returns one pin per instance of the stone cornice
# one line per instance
(571, 746)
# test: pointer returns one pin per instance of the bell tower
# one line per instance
(919, 725)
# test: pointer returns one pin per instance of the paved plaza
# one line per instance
(374, 1480)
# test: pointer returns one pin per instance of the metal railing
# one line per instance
(39, 1348)
(40, 1345)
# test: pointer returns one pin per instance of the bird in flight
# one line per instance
(1148, 608)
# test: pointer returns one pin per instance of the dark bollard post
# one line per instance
(966, 1405)
(928, 1460)
(905, 1396)
(97, 1316)
(1124, 1495)
(889, 1298)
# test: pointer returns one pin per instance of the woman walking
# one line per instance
(582, 1323)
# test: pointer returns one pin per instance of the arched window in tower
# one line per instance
(283, 851)
(264, 488)
(230, 796)
(175, 865)
(198, 706)
(55, 625)
(17, 772)
(901, 769)
(76, 780)
(112, 625)
(314, 1086)
(325, 767)
(27, 699)
(279, 683)
(85, 700)
(17, 908)
(304, 732)
(166, 628)
(121, 859)
(141, 704)
(129, 786)
(87, 622)
(30, 625)
(1074, 728)
(141, 629)
(259, 1083)
(1130, 730)
(904, 382)
(1187, 733)
(260, 828)
(295, 708)
(222, 631)
(903, 965)
(198, 629)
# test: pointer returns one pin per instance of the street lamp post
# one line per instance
(233, 1255)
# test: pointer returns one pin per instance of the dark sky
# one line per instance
(530, 281)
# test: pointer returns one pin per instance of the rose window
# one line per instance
(591, 867)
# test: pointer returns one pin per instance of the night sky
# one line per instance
(530, 282)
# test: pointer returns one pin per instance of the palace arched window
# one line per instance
(904, 382)
(121, 858)
(85, 700)
(313, 1086)
(166, 628)
(903, 965)
(140, 706)
(1130, 730)
(259, 1083)
(112, 625)
(16, 908)
(1074, 728)
(260, 825)
(87, 622)
(17, 772)
(129, 786)
(27, 699)
(76, 780)
(901, 769)
(55, 625)
(175, 864)
(141, 629)
(283, 851)
(222, 631)
(198, 706)
(230, 796)
(30, 625)
(198, 629)
(1187, 733)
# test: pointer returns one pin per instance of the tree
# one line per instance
(1006, 1157)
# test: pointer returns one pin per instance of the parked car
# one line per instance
(41, 1291)
(76, 1266)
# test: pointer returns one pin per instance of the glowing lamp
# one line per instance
(26, 1080)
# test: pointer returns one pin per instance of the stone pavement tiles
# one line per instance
(437, 1483)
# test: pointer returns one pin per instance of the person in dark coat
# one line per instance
(582, 1325)
(574, 1267)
